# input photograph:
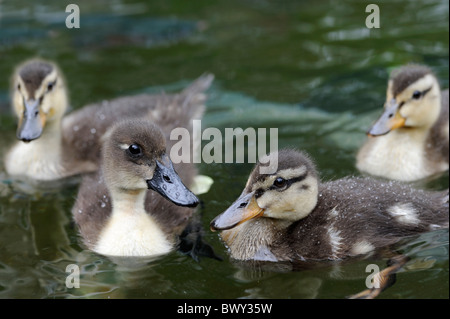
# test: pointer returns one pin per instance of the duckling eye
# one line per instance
(279, 182)
(135, 150)
(18, 86)
(416, 95)
(50, 86)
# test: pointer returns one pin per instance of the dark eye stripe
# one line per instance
(259, 193)
(51, 85)
(426, 91)
(291, 181)
(422, 94)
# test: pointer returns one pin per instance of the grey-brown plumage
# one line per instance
(362, 206)
(57, 145)
(298, 218)
(123, 175)
(33, 74)
(437, 143)
(405, 76)
(167, 110)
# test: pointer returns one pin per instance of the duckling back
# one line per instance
(83, 129)
(437, 144)
(360, 215)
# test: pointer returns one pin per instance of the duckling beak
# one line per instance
(167, 183)
(388, 121)
(243, 209)
(32, 122)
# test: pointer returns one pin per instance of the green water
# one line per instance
(311, 69)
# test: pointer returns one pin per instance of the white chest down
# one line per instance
(396, 156)
(35, 160)
(132, 232)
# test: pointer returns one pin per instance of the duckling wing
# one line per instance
(92, 208)
(439, 135)
(83, 129)
(356, 216)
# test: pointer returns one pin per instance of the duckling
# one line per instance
(53, 146)
(290, 216)
(410, 140)
(115, 213)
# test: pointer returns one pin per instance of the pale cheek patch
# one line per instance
(389, 95)
(18, 105)
(271, 200)
(292, 172)
(404, 213)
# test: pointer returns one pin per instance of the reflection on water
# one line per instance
(309, 69)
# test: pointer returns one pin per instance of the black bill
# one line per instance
(167, 183)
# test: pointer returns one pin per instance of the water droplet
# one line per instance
(103, 205)
(93, 130)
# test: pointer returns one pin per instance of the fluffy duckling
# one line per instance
(410, 140)
(290, 216)
(115, 213)
(53, 146)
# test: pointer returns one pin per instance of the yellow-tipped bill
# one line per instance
(242, 210)
(388, 121)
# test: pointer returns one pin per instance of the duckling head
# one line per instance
(413, 100)
(289, 194)
(39, 97)
(135, 159)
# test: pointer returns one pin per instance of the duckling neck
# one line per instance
(130, 230)
(40, 158)
(254, 239)
(128, 202)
